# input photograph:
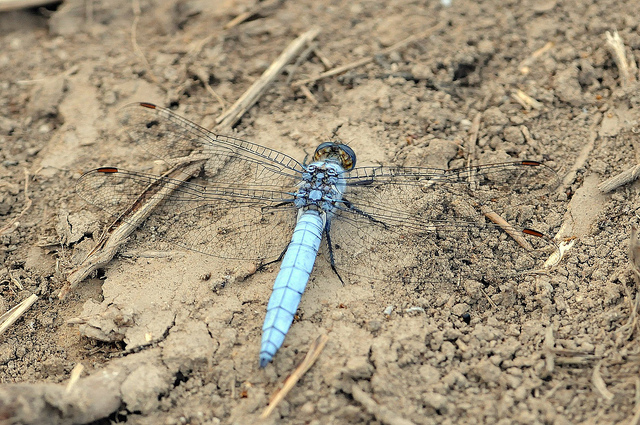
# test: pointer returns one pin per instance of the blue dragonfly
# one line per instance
(371, 223)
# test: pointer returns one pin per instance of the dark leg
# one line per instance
(284, 251)
(327, 232)
(351, 208)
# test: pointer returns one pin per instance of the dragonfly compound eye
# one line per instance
(336, 152)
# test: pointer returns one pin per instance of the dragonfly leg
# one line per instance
(277, 260)
(327, 232)
(350, 207)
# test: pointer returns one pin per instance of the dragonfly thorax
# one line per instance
(320, 187)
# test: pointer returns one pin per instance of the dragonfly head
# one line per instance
(337, 152)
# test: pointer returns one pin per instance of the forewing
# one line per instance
(171, 137)
(239, 222)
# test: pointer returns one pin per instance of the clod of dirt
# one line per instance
(187, 346)
(137, 380)
(46, 96)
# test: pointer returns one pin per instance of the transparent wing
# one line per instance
(229, 223)
(238, 207)
(171, 137)
(419, 224)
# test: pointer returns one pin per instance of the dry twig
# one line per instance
(73, 377)
(135, 5)
(259, 7)
(582, 157)
(323, 58)
(526, 64)
(495, 218)
(305, 90)
(361, 62)
(232, 115)
(599, 383)
(10, 317)
(623, 178)
(314, 352)
(526, 101)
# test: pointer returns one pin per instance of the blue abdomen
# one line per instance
(290, 283)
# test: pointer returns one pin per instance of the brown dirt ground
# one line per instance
(558, 347)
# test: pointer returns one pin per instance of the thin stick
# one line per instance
(314, 352)
(623, 178)
(231, 116)
(27, 204)
(525, 64)
(491, 302)
(582, 157)
(361, 62)
(517, 236)
(550, 355)
(249, 13)
(320, 55)
(135, 5)
(305, 91)
(200, 72)
(74, 376)
(117, 234)
(191, 57)
(301, 58)
(381, 413)
(10, 317)
(526, 101)
(599, 383)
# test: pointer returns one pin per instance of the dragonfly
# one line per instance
(370, 223)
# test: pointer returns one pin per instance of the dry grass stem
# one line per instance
(314, 352)
(305, 91)
(627, 68)
(581, 160)
(118, 232)
(550, 355)
(260, 6)
(27, 205)
(489, 300)
(599, 383)
(323, 58)
(525, 65)
(230, 117)
(495, 218)
(301, 58)
(361, 62)
(526, 101)
(74, 376)
(557, 255)
(135, 5)
(623, 178)
(11, 316)
(204, 78)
